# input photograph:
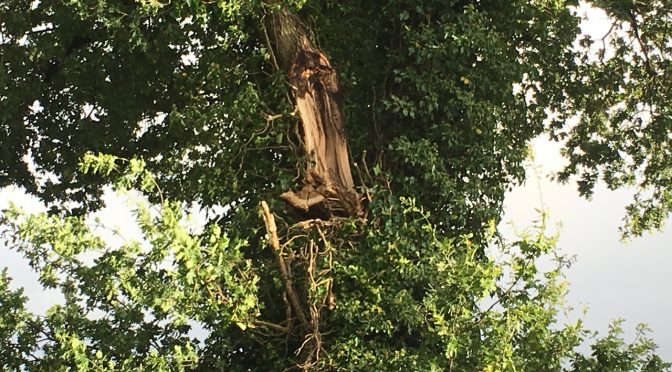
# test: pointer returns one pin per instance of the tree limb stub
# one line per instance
(328, 182)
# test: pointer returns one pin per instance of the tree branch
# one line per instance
(272, 326)
(635, 29)
(272, 231)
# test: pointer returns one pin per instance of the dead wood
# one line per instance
(328, 183)
(272, 231)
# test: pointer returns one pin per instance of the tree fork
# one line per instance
(328, 183)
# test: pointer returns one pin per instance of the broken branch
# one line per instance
(272, 231)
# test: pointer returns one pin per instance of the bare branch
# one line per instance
(272, 231)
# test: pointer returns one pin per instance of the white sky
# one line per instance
(613, 279)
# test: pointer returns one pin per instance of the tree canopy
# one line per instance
(400, 125)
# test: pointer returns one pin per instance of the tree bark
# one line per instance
(327, 184)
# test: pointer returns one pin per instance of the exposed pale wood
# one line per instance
(328, 180)
(301, 201)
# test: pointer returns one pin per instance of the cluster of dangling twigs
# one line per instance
(309, 298)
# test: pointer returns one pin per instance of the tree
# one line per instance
(386, 265)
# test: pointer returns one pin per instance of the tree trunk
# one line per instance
(327, 185)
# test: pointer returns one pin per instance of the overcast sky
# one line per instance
(613, 279)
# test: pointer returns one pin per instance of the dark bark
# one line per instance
(328, 184)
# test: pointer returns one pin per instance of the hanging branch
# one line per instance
(272, 231)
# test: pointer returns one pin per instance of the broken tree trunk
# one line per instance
(327, 184)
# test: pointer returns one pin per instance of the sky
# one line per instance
(612, 279)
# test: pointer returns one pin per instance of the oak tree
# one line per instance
(351, 160)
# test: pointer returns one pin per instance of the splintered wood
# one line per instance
(327, 185)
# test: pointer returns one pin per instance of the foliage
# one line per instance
(623, 133)
(611, 353)
(127, 307)
(407, 298)
(182, 101)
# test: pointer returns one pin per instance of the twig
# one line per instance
(506, 293)
(635, 29)
(269, 45)
(270, 118)
(366, 167)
